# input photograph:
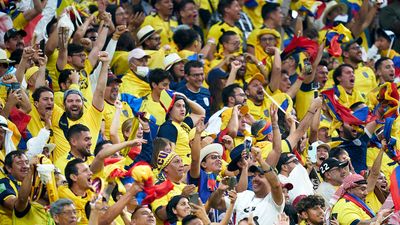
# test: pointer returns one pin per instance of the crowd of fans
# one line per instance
(199, 112)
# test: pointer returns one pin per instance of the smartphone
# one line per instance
(194, 198)
(312, 153)
(143, 115)
(232, 183)
(334, 216)
(15, 86)
(247, 145)
(307, 67)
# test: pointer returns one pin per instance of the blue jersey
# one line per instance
(202, 98)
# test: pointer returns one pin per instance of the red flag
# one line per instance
(301, 44)
(394, 188)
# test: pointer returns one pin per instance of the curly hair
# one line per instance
(309, 202)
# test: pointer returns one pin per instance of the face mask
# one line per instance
(142, 70)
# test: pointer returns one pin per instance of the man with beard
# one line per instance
(16, 166)
(150, 41)
(355, 139)
(311, 210)
(332, 172)
(13, 40)
(80, 141)
(110, 97)
(162, 20)
(76, 113)
(79, 189)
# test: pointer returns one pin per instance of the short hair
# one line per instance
(76, 129)
(323, 63)
(309, 202)
(100, 145)
(158, 75)
(187, 219)
(70, 169)
(184, 38)
(227, 92)
(183, 3)
(8, 160)
(336, 152)
(57, 206)
(16, 56)
(379, 62)
(64, 75)
(223, 4)
(192, 64)
(75, 48)
(268, 8)
(338, 72)
(38, 91)
(226, 36)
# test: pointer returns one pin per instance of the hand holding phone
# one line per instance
(194, 198)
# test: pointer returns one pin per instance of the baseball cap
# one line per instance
(215, 74)
(72, 91)
(330, 163)
(12, 33)
(257, 76)
(318, 144)
(288, 186)
(137, 53)
(112, 78)
(388, 34)
(346, 46)
(283, 159)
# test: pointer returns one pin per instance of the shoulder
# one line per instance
(204, 91)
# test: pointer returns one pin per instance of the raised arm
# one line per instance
(37, 9)
(27, 56)
(273, 157)
(233, 124)
(62, 48)
(195, 150)
(23, 194)
(98, 45)
(276, 68)
(315, 126)
(52, 42)
(41, 74)
(80, 32)
(98, 162)
(98, 95)
(260, 66)
(375, 169)
(115, 124)
(235, 66)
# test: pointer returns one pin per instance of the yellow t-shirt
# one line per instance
(20, 22)
(262, 111)
(119, 63)
(348, 212)
(91, 118)
(373, 202)
(255, 13)
(217, 30)
(365, 79)
(266, 147)
(131, 84)
(52, 68)
(37, 214)
(182, 144)
(6, 214)
(108, 116)
(62, 162)
(303, 102)
(166, 198)
(153, 108)
(84, 80)
(79, 202)
(167, 27)
(156, 59)
(372, 153)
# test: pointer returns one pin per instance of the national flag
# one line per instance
(301, 44)
(395, 188)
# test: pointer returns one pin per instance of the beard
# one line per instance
(73, 116)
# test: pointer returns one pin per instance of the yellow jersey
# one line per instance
(84, 80)
(167, 27)
(108, 116)
(348, 212)
(91, 118)
(37, 214)
(79, 202)
(132, 84)
(119, 63)
(218, 29)
(156, 59)
(8, 188)
(153, 108)
(62, 161)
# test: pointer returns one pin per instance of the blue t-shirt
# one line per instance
(202, 98)
(203, 183)
(357, 150)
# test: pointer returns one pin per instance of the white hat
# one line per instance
(146, 32)
(50, 146)
(9, 145)
(331, 5)
(171, 59)
(4, 58)
(318, 144)
(210, 149)
(137, 53)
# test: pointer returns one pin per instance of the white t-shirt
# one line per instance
(301, 182)
(327, 190)
(265, 210)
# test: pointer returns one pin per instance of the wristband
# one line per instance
(311, 112)
(268, 170)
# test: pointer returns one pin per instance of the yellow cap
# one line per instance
(257, 76)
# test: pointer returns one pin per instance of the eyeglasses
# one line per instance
(69, 212)
(267, 39)
(197, 75)
(355, 47)
(214, 157)
(241, 95)
(295, 161)
(82, 55)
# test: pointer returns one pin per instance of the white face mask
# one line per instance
(142, 70)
